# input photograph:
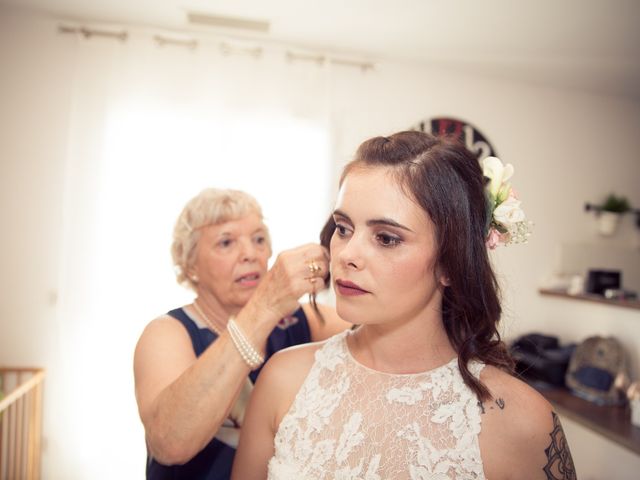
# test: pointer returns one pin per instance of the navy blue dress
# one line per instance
(214, 462)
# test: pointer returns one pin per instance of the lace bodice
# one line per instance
(351, 422)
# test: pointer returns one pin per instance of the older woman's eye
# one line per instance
(260, 239)
(387, 240)
(225, 242)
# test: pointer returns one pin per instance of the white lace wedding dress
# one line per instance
(351, 422)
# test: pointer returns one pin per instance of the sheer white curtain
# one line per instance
(150, 127)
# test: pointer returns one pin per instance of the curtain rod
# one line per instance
(90, 32)
(225, 47)
(305, 57)
(162, 40)
(228, 49)
(320, 59)
(364, 66)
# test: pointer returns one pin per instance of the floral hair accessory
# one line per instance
(507, 222)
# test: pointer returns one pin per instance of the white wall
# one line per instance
(35, 87)
(34, 95)
(568, 147)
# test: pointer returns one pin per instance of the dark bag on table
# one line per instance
(540, 358)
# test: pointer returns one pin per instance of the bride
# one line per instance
(421, 388)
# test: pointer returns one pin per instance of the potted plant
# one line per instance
(611, 210)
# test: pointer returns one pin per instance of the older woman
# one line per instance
(195, 366)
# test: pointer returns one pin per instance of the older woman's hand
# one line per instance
(295, 273)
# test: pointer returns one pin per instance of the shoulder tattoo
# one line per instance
(559, 462)
(499, 402)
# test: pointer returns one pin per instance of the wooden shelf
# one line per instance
(587, 297)
(613, 423)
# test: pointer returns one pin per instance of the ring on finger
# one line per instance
(314, 268)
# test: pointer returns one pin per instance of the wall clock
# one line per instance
(473, 139)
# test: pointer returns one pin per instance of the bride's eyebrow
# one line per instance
(376, 221)
(387, 222)
(340, 213)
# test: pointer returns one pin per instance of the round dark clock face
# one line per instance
(470, 136)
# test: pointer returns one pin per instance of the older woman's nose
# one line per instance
(249, 250)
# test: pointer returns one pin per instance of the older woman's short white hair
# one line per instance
(212, 206)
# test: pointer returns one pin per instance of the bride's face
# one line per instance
(382, 251)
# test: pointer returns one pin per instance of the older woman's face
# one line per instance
(231, 259)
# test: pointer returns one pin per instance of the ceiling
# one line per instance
(592, 45)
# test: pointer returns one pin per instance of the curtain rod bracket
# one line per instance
(88, 32)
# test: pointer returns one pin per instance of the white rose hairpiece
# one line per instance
(507, 222)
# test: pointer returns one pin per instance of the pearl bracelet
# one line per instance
(248, 353)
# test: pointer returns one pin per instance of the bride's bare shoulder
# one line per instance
(521, 432)
(291, 364)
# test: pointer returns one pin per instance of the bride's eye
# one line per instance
(387, 240)
(341, 230)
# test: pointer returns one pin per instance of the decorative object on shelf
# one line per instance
(576, 285)
(608, 223)
(612, 210)
(620, 294)
(616, 204)
(610, 213)
(598, 371)
(600, 280)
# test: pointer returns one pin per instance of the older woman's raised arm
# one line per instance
(183, 400)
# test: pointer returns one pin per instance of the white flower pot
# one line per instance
(608, 223)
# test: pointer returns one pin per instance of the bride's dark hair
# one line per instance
(446, 180)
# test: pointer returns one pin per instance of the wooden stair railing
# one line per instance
(20, 422)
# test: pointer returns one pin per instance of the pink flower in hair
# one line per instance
(493, 239)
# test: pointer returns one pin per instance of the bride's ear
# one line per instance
(444, 279)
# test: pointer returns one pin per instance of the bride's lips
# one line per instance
(250, 279)
(349, 289)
